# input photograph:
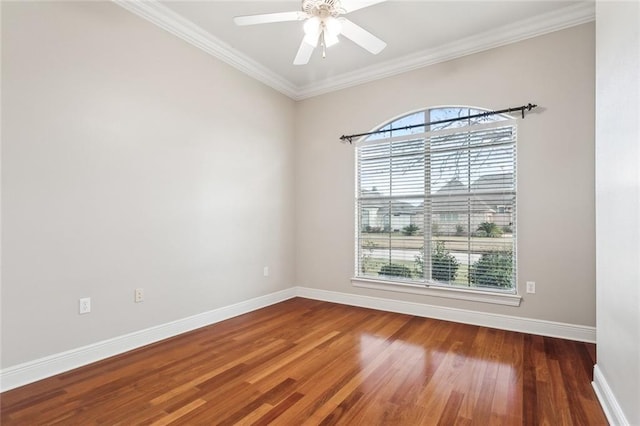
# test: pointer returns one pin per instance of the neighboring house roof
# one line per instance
(453, 198)
(500, 181)
(371, 199)
(453, 185)
(370, 192)
(401, 208)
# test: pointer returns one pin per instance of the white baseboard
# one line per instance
(608, 401)
(504, 322)
(42, 368)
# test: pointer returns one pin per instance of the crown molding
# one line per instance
(517, 31)
(174, 23)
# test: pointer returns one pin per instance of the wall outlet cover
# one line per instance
(531, 287)
(84, 305)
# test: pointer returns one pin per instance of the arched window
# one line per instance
(436, 204)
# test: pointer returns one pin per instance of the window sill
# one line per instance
(437, 291)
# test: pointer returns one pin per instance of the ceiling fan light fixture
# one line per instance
(329, 39)
(332, 27)
(327, 28)
(312, 27)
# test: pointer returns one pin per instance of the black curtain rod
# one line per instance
(522, 109)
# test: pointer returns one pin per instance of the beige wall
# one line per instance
(131, 159)
(555, 167)
(618, 202)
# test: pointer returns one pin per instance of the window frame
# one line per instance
(504, 296)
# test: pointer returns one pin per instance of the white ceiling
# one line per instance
(417, 33)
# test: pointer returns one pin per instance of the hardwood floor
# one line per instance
(305, 362)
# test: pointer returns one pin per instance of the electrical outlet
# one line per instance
(138, 295)
(84, 305)
(265, 271)
(531, 287)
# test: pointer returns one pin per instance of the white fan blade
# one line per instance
(351, 5)
(362, 37)
(304, 54)
(270, 18)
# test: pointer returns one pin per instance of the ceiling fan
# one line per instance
(323, 24)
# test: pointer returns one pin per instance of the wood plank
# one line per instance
(311, 362)
(170, 418)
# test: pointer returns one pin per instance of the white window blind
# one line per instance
(438, 206)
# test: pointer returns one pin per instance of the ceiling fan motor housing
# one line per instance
(322, 8)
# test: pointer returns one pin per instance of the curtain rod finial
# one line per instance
(528, 107)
